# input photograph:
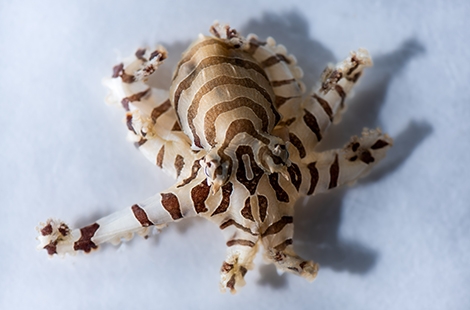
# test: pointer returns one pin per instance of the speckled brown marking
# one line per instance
(241, 242)
(231, 283)
(141, 216)
(355, 62)
(226, 267)
(140, 142)
(225, 203)
(117, 70)
(47, 230)
(354, 158)
(271, 61)
(295, 175)
(194, 170)
(314, 176)
(281, 194)
(325, 105)
(160, 156)
(355, 146)
(140, 54)
(127, 78)
(366, 157)
(302, 264)
(278, 226)
(199, 195)
(279, 101)
(158, 111)
(246, 211)
(134, 97)
(282, 82)
(252, 184)
(293, 268)
(129, 122)
(254, 44)
(172, 205)
(176, 126)
(282, 246)
(379, 144)
(237, 225)
(355, 77)
(179, 164)
(298, 144)
(331, 80)
(334, 173)
(51, 248)
(64, 230)
(84, 243)
(339, 89)
(311, 122)
(262, 207)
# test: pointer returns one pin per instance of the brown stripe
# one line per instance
(252, 184)
(282, 82)
(242, 242)
(226, 267)
(279, 101)
(282, 246)
(117, 70)
(213, 61)
(314, 176)
(355, 62)
(135, 97)
(246, 211)
(254, 44)
(298, 144)
(231, 283)
(172, 205)
(225, 203)
(160, 156)
(84, 243)
(334, 173)
(278, 226)
(140, 142)
(212, 114)
(295, 175)
(176, 126)
(199, 194)
(129, 122)
(274, 60)
(339, 89)
(127, 78)
(366, 157)
(379, 144)
(311, 122)
(281, 194)
(158, 111)
(51, 248)
(326, 107)
(179, 164)
(237, 225)
(219, 82)
(262, 207)
(47, 230)
(194, 170)
(141, 216)
(140, 54)
(187, 57)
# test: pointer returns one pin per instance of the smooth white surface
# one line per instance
(399, 239)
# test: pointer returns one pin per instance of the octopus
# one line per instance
(238, 132)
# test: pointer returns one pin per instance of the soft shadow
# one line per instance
(317, 224)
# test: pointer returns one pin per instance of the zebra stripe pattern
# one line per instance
(237, 132)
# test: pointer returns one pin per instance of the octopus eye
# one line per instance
(206, 171)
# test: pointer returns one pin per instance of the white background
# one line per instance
(398, 239)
